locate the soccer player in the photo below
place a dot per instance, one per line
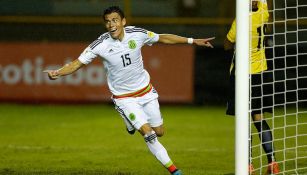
(259, 17)
(134, 96)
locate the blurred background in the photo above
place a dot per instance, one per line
(40, 34)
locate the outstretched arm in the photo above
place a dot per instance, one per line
(65, 70)
(175, 39)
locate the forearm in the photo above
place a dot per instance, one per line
(69, 68)
(228, 45)
(175, 39)
(228, 49)
(172, 39)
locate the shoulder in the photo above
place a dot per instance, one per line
(233, 25)
(133, 29)
(102, 38)
(263, 5)
(262, 15)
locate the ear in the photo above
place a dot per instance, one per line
(124, 21)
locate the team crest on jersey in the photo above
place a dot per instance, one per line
(132, 44)
(132, 116)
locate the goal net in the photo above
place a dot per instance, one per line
(285, 91)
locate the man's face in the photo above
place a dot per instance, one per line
(115, 25)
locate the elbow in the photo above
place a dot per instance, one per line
(228, 45)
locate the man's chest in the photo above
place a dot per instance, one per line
(122, 53)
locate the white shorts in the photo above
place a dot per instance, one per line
(137, 111)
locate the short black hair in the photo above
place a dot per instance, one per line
(113, 9)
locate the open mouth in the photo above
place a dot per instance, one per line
(113, 30)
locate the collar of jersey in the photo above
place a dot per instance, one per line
(124, 38)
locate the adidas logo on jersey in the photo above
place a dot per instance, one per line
(111, 50)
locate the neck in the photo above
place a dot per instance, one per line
(121, 36)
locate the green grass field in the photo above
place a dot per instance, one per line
(91, 139)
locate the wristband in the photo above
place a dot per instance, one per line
(190, 40)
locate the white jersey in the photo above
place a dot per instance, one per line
(122, 59)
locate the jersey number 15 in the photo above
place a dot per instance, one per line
(126, 60)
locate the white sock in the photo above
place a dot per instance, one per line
(156, 148)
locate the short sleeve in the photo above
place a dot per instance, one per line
(87, 56)
(231, 36)
(151, 38)
(263, 5)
